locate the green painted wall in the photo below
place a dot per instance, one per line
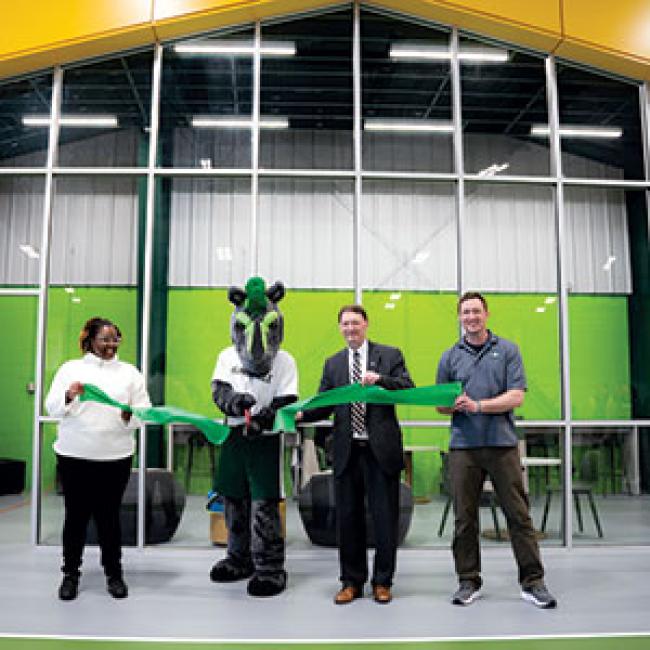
(600, 358)
(18, 327)
(66, 314)
(421, 324)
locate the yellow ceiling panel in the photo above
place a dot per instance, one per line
(534, 24)
(621, 27)
(174, 18)
(37, 25)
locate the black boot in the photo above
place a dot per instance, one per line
(267, 585)
(69, 587)
(228, 571)
(116, 587)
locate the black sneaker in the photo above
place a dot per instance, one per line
(69, 587)
(116, 587)
(539, 595)
(466, 593)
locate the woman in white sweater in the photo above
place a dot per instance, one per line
(94, 449)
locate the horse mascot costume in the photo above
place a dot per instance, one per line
(252, 379)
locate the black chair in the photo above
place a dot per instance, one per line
(195, 441)
(583, 485)
(488, 499)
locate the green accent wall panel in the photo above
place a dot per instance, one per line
(18, 327)
(600, 358)
(198, 328)
(516, 317)
(67, 313)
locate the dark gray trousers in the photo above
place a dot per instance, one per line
(467, 471)
(255, 534)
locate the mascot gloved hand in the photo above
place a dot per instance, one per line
(252, 379)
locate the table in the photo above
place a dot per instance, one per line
(538, 461)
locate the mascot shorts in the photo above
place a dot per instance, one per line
(250, 466)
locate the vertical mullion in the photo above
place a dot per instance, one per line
(255, 148)
(358, 193)
(147, 277)
(459, 163)
(44, 281)
(562, 278)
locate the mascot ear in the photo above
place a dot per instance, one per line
(276, 292)
(236, 296)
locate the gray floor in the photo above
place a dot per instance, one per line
(600, 590)
(625, 521)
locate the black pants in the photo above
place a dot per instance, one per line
(468, 469)
(363, 477)
(93, 488)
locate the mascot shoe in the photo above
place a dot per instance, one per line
(270, 585)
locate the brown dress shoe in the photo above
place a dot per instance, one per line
(347, 595)
(381, 594)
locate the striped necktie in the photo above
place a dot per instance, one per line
(357, 409)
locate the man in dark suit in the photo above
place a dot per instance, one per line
(367, 457)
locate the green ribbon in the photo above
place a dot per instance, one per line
(437, 395)
(216, 433)
(285, 418)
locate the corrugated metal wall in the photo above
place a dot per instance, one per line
(306, 225)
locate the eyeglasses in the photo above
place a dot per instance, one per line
(108, 339)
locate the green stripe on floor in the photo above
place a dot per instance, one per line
(569, 643)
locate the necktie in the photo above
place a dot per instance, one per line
(357, 409)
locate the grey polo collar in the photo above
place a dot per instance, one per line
(492, 340)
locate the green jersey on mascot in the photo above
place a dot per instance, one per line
(252, 379)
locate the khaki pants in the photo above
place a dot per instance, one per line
(467, 471)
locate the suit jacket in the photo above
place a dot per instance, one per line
(384, 434)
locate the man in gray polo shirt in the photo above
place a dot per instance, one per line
(484, 443)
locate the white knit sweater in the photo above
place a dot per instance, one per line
(88, 429)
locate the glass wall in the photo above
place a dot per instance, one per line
(406, 96)
(93, 272)
(503, 99)
(105, 108)
(383, 170)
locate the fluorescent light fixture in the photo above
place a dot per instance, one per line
(30, 251)
(578, 131)
(234, 47)
(493, 169)
(431, 52)
(99, 121)
(607, 266)
(87, 121)
(540, 310)
(395, 296)
(550, 300)
(239, 122)
(407, 126)
(422, 256)
(482, 54)
(389, 305)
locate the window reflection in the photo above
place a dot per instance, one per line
(105, 110)
(22, 145)
(600, 127)
(406, 96)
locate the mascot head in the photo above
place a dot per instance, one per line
(256, 326)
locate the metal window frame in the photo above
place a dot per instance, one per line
(458, 176)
